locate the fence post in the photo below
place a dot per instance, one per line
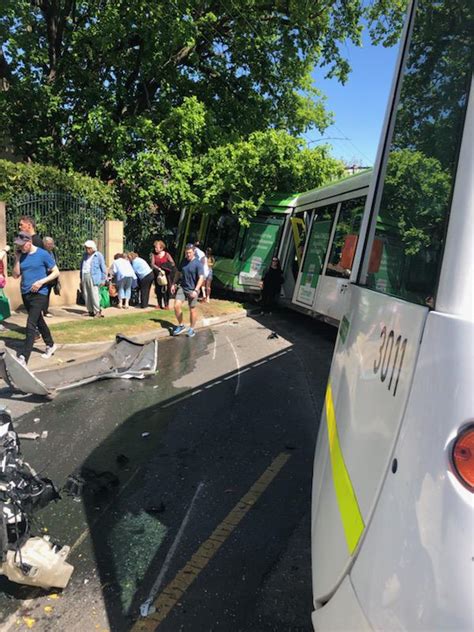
(3, 224)
(113, 239)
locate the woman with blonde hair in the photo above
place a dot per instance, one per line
(163, 267)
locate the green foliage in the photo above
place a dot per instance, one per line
(79, 79)
(18, 179)
(415, 199)
(241, 175)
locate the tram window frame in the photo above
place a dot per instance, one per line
(419, 139)
(216, 241)
(348, 205)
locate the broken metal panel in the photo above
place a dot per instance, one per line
(124, 359)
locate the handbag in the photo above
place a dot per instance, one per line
(80, 297)
(5, 311)
(161, 278)
(104, 297)
(57, 288)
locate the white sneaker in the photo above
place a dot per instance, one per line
(2, 327)
(49, 352)
(21, 360)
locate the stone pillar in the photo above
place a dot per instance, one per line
(113, 239)
(3, 224)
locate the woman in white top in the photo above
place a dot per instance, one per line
(124, 276)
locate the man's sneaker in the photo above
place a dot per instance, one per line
(179, 330)
(190, 333)
(21, 360)
(49, 352)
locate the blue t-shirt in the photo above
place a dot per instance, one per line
(190, 273)
(34, 267)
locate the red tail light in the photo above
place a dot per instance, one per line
(463, 457)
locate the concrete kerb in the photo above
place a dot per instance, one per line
(161, 333)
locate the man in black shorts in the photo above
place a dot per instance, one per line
(187, 283)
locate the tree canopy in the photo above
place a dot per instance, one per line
(93, 85)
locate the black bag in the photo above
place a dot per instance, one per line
(80, 298)
(57, 288)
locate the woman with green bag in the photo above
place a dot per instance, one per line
(4, 302)
(93, 276)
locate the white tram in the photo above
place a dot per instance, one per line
(392, 507)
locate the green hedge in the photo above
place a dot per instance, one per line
(19, 178)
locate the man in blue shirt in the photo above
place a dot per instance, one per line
(190, 278)
(37, 268)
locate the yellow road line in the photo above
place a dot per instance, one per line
(351, 516)
(174, 591)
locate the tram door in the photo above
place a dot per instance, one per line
(314, 256)
(331, 296)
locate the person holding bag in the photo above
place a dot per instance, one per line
(93, 275)
(163, 267)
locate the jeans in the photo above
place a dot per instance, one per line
(125, 288)
(91, 294)
(35, 305)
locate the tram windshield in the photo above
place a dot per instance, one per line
(415, 202)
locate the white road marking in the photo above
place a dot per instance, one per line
(144, 608)
(237, 386)
(214, 350)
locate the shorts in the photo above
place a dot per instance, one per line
(182, 295)
(209, 276)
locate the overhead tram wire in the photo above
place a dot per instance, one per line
(347, 139)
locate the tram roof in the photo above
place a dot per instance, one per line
(281, 201)
(344, 185)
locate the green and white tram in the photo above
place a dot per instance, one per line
(242, 253)
(392, 506)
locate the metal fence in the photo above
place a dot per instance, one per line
(68, 219)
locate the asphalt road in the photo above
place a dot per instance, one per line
(205, 510)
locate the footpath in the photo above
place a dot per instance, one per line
(95, 335)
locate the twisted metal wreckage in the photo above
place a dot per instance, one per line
(24, 557)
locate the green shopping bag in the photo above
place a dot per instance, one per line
(104, 297)
(4, 306)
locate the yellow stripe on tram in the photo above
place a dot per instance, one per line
(352, 520)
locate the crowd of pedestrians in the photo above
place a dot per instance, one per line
(129, 277)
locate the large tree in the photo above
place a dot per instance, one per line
(79, 79)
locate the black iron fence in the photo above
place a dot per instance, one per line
(68, 219)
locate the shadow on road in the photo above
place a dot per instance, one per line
(159, 440)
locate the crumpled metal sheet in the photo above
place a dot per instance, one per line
(125, 359)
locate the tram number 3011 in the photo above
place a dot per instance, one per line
(390, 359)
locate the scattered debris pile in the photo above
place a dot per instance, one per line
(25, 558)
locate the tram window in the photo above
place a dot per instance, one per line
(317, 244)
(415, 201)
(222, 235)
(345, 238)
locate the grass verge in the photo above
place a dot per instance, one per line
(129, 323)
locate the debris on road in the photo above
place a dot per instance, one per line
(124, 359)
(273, 335)
(26, 558)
